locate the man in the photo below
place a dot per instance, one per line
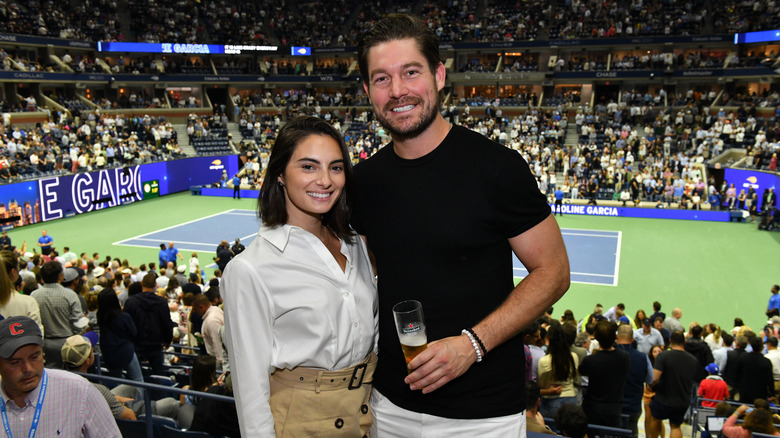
(773, 354)
(700, 350)
(5, 242)
(213, 320)
(640, 372)
(224, 255)
(78, 356)
(73, 279)
(755, 374)
(173, 253)
(674, 374)
(181, 277)
(720, 355)
(45, 242)
(558, 201)
(162, 256)
(61, 312)
(672, 323)
(236, 187)
(71, 406)
(615, 312)
(658, 324)
(151, 315)
(773, 309)
(403, 75)
(729, 372)
(607, 370)
(657, 312)
(531, 336)
(647, 337)
(237, 247)
(535, 421)
(69, 256)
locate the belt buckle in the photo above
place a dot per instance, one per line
(351, 385)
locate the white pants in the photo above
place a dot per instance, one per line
(393, 421)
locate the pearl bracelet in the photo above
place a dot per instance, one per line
(473, 343)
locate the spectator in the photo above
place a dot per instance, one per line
(606, 370)
(700, 350)
(534, 418)
(757, 421)
(150, 312)
(117, 332)
(756, 380)
(74, 407)
(557, 372)
(730, 374)
(61, 312)
(213, 321)
(674, 375)
(572, 422)
(646, 337)
(640, 373)
(713, 387)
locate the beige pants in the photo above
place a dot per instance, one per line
(307, 402)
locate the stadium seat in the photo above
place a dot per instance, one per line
(131, 428)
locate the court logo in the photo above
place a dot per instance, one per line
(751, 181)
(216, 165)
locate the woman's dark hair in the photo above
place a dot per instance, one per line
(568, 315)
(605, 334)
(563, 366)
(204, 373)
(108, 308)
(271, 203)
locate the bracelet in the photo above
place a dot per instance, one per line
(479, 341)
(473, 343)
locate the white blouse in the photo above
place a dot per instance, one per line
(287, 303)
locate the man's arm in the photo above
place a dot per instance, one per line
(542, 252)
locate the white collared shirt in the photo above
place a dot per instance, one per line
(287, 303)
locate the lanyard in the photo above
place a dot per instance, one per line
(36, 416)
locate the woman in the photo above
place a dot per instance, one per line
(638, 318)
(194, 264)
(757, 421)
(713, 338)
(202, 377)
(117, 331)
(649, 393)
(11, 302)
(300, 301)
(557, 372)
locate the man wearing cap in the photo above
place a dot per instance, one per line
(61, 312)
(713, 387)
(181, 277)
(646, 337)
(73, 279)
(77, 355)
(151, 315)
(51, 401)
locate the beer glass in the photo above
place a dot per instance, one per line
(410, 325)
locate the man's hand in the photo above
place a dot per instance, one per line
(443, 360)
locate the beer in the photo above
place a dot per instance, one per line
(412, 345)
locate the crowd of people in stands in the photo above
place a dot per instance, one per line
(617, 364)
(89, 141)
(321, 24)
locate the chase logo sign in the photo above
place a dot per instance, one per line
(216, 165)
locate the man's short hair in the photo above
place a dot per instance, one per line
(656, 306)
(677, 338)
(530, 329)
(757, 344)
(212, 294)
(394, 27)
(50, 272)
(582, 339)
(532, 394)
(605, 334)
(571, 420)
(696, 331)
(149, 281)
(626, 331)
(621, 306)
(742, 341)
(772, 342)
(658, 318)
(727, 339)
(200, 300)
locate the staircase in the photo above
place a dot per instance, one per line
(184, 141)
(572, 138)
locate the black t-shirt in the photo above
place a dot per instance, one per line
(606, 371)
(438, 226)
(678, 370)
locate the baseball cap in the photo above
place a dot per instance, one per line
(646, 321)
(181, 269)
(70, 274)
(712, 368)
(76, 350)
(16, 332)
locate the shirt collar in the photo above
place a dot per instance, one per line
(277, 236)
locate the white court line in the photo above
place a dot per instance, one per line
(589, 235)
(121, 242)
(617, 258)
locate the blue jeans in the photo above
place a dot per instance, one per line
(550, 405)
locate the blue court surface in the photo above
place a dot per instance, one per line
(594, 255)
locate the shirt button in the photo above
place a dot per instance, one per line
(346, 294)
(355, 324)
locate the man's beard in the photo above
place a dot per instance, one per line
(425, 119)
